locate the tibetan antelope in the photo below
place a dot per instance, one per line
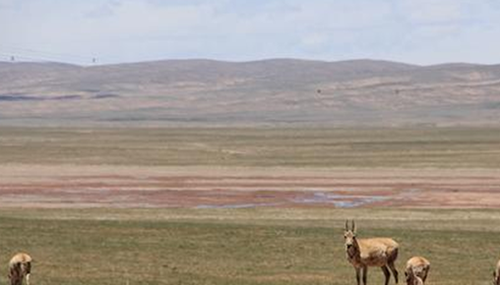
(416, 270)
(364, 253)
(19, 268)
(496, 274)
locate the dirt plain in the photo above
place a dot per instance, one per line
(232, 187)
(249, 167)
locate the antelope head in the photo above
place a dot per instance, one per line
(350, 238)
(412, 278)
(496, 278)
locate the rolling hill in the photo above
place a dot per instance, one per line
(267, 92)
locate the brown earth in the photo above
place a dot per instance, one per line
(197, 187)
(258, 93)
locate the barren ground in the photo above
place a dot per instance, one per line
(224, 187)
(250, 167)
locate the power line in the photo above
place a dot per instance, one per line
(46, 56)
(21, 57)
(46, 53)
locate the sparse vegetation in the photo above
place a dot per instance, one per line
(245, 246)
(290, 147)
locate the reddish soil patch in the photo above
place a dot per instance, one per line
(240, 188)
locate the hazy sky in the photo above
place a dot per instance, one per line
(413, 31)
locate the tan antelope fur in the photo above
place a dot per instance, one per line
(20, 268)
(496, 274)
(370, 252)
(412, 278)
(416, 270)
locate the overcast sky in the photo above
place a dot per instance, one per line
(412, 31)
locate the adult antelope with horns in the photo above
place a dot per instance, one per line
(370, 252)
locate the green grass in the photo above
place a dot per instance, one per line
(290, 147)
(247, 246)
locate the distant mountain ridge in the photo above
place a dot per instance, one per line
(265, 92)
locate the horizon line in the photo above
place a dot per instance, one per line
(96, 64)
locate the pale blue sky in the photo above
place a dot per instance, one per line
(412, 31)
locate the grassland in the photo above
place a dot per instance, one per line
(245, 246)
(262, 147)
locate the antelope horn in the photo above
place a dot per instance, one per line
(346, 225)
(353, 226)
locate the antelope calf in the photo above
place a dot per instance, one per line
(416, 270)
(371, 252)
(496, 274)
(19, 268)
